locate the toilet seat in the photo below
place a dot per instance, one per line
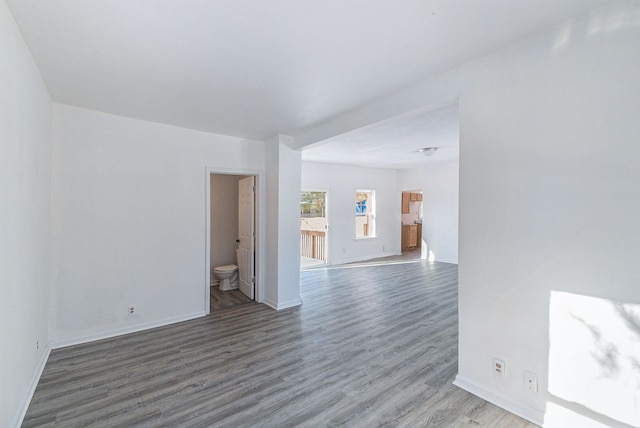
(228, 277)
(225, 268)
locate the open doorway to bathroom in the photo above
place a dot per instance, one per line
(232, 240)
(314, 228)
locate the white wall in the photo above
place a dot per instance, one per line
(283, 223)
(224, 219)
(548, 218)
(341, 183)
(25, 201)
(439, 185)
(549, 221)
(129, 220)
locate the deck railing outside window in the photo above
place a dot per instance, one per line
(313, 244)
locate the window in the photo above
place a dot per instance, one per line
(365, 214)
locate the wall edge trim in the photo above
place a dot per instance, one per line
(525, 411)
(289, 304)
(127, 330)
(450, 261)
(21, 412)
(270, 303)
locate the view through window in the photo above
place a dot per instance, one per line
(365, 214)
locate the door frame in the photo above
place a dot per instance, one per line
(260, 230)
(246, 242)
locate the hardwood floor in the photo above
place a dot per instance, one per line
(226, 299)
(372, 345)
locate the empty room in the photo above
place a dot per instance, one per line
(471, 260)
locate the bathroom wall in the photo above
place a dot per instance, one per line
(224, 219)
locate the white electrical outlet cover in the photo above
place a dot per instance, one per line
(531, 381)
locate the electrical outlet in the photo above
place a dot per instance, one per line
(531, 381)
(383, 248)
(131, 310)
(498, 367)
(37, 345)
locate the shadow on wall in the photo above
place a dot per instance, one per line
(594, 361)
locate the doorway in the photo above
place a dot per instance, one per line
(232, 239)
(314, 228)
(411, 227)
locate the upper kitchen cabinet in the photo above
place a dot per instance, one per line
(405, 203)
(407, 198)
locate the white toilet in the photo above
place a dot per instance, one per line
(228, 276)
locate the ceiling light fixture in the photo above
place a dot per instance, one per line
(428, 151)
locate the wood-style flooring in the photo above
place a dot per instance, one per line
(226, 299)
(372, 345)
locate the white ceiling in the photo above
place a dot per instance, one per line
(394, 143)
(255, 68)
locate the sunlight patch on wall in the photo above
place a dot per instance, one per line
(594, 356)
(598, 23)
(561, 417)
(563, 37)
(614, 20)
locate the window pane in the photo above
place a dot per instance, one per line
(365, 214)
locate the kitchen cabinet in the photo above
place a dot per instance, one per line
(413, 236)
(409, 236)
(407, 198)
(405, 203)
(415, 197)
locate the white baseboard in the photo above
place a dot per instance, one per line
(283, 305)
(364, 258)
(289, 304)
(453, 262)
(33, 383)
(525, 411)
(120, 331)
(270, 303)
